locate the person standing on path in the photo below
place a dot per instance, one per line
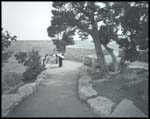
(61, 57)
(61, 48)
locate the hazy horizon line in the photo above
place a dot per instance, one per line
(34, 40)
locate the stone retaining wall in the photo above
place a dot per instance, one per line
(78, 54)
(10, 101)
(100, 105)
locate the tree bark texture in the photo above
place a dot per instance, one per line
(114, 59)
(99, 52)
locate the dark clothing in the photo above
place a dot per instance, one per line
(60, 62)
(122, 61)
(56, 59)
(61, 48)
(61, 57)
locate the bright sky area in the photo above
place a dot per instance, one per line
(27, 20)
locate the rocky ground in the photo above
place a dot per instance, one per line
(121, 95)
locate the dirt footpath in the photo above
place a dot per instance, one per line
(57, 96)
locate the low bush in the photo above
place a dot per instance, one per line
(6, 42)
(32, 61)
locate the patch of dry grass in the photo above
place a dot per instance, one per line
(10, 80)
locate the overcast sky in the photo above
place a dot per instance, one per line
(27, 20)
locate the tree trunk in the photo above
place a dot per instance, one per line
(114, 59)
(99, 52)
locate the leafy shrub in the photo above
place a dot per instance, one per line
(6, 42)
(32, 61)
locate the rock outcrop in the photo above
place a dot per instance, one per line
(85, 89)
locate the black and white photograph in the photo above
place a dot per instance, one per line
(75, 59)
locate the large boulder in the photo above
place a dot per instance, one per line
(84, 80)
(9, 102)
(126, 108)
(101, 105)
(87, 92)
(85, 89)
(27, 90)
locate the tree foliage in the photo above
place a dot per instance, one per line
(6, 42)
(67, 37)
(134, 23)
(85, 17)
(106, 34)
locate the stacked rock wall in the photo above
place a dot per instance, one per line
(78, 54)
